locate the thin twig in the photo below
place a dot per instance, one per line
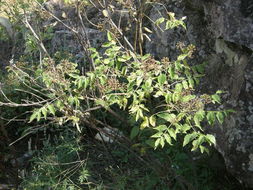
(36, 36)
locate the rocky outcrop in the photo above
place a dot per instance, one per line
(222, 33)
(231, 70)
(231, 20)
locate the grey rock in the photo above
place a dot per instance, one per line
(228, 21)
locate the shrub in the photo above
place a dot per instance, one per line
(158, 94)
(155, 100)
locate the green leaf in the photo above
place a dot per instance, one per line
(147, 30)
(171, 71)
(86, 82)
(220, 117)
(107, 61)
(105, 13)
(38, 115)
(172, 133)
(176, 97)
(211, 139)
(71, 100)
(161, 128)
(152, 120)
(109, 36)
(189, 138)
(160, 21)
(203, 149)
(78, 127)
(139, 114)
(79, 84)
(157, 135)
(191, 82)
(121, 59)
(134, 132)
(226, 112)
(219, 92)
(33, 116)
(178, 66)
(162, 143)
(44, 112)
(210, 117)
(139, 80)
(180, 116)
(201, 139)
(59, 104)
(216, 98)
(168, 98)
(198, 117)
(168, 139)
(178, 87)
(157, 143)
(196, 121)
(124, 70)
(145, 123)
(195, 145)
(158, 94)
(167, 116)
(200, 68)
(51, 109)
(102, 103)
(93, 50)
(148, 83)
(188, 98)
(106, 45)
(161, 79)
(185, 84)
(145, 57)
(185, 128)
(182, 57)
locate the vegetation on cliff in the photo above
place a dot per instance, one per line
(147, 108)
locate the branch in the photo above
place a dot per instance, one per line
(36, 36)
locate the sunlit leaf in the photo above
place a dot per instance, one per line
(51, 109)
(167, 116)
(211, 138)
(161, 79)
(157, 135)
(161, 128)
(188, 138)
(178, 87)
(172, 133)
(210, 117)
(109, 36)
(160, 20)
(157, 143)
(105, 13)
(145, 123)
(216, 98)
(162, 143)
(168, 139)
(152, 120)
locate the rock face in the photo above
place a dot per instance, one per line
(231, 20)
(222, 32)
